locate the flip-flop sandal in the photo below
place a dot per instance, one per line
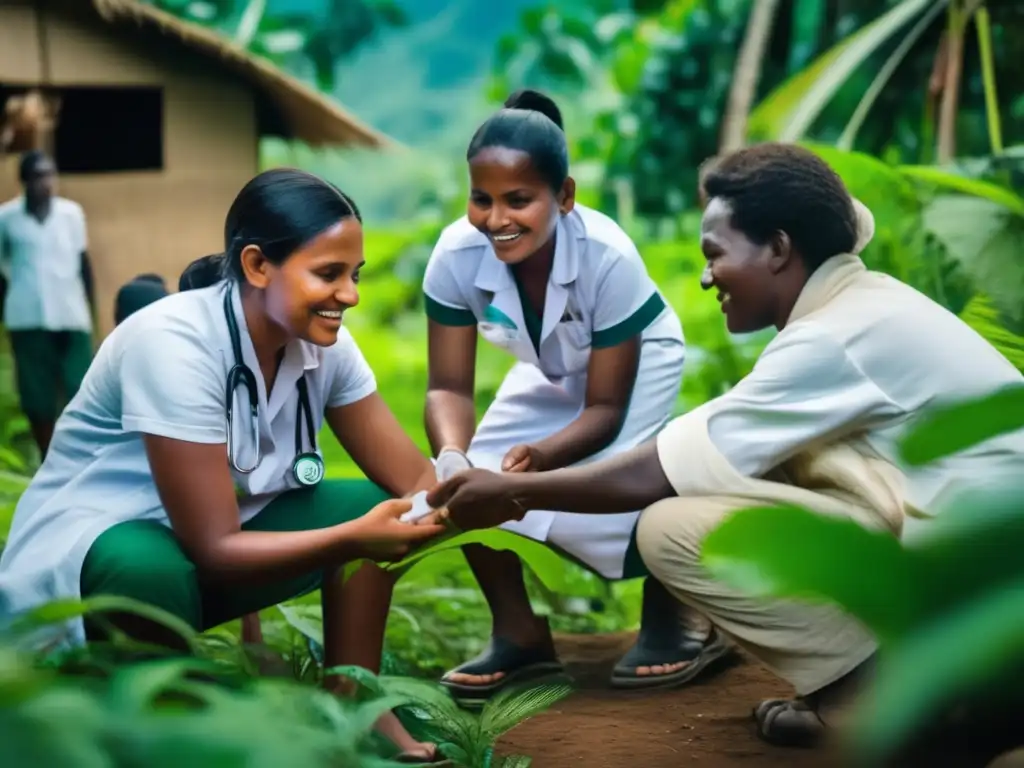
(697, 655)
(410, 758)
(789, 723)
(500, 655)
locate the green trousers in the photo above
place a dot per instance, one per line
(142, 559)
(49, 364)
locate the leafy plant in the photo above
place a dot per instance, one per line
(945, 607)
(789, 111)
(94, 707)
(466, 738)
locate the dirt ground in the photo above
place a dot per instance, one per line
(706, 724)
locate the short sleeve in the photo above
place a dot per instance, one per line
(352, 378)
(83, 231)
(444, 300)
(172, 385)
(627, 301)
(804, 389)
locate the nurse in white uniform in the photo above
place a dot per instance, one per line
(599, 365)
(185, 473)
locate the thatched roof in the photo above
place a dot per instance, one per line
(307, 115)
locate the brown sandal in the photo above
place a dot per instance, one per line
(789, 723)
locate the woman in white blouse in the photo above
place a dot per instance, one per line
(186, 473)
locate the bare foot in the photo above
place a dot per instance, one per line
(391, 728)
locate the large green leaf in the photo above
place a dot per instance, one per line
(885, 73)
(987, 239)
(969, 647)
(968, 549)
(60, 611)
(789, 111)
(955, 182)
(790, 552)
(546, 564)
(954, 428)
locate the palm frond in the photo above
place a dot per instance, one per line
(982, 315)
(514, 705)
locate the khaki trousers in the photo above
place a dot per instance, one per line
(807, 645)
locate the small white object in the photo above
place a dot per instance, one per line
(420, 509)
(450, 462)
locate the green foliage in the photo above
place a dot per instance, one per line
(99, 707)
(952, 429)
(984, 318)
(678, 104)
(946, 607)
(791, 109)
(468, 739)
(301, 40)
(750, 552)
(951, 236)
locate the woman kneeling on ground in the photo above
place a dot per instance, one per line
(162, 487)
(817, 423)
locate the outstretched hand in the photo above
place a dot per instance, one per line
(380, 534)
(477, 498)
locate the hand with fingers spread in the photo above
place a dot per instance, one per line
(380, 535)
(523, 458)
(477, 498)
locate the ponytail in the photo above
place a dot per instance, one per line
(204, 272)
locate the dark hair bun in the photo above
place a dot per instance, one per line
(203, 272)
(535, 101)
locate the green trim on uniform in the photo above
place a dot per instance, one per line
(635, 324)
(142, 559)
(534, 322)
(49, 364)
(445, 315)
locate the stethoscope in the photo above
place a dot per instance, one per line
(307, 467)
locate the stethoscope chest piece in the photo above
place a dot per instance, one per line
(308, 466)
(308, 469)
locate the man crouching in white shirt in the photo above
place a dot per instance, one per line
(816, 423)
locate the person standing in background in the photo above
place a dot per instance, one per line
(50, 302)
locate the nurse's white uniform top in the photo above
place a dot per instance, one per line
(598, 295)
(162, 372)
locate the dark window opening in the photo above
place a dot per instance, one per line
(106, 129)
(110, 129)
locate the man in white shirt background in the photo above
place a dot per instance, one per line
(49, 301)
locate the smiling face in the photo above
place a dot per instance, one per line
(745, 274)
(308, 293)
(513, 205)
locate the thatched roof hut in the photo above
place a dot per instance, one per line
(158, 123)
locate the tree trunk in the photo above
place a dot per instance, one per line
(747, 75)
(945, 149)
